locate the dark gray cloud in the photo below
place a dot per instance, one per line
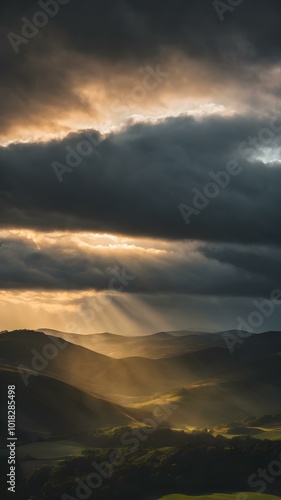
(141, 176)
(256, 262)
(134, 29)
(67, 266)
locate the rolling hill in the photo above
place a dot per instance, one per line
(48, 406)
(222, 496)
(156, 346)
(211, 386)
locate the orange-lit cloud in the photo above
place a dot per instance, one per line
(106, 97)
(86, 282)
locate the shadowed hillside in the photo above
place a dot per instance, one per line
(50, 407)
(211, 386)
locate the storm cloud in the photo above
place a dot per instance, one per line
(92, 54)
(57, 262)
(140, 177)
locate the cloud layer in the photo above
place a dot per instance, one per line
(181, 187)
(75, 262)
(141, 175)
(87, 62)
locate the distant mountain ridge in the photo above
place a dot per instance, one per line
(210, 385)
(154, 346)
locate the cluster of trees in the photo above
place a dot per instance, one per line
(168, 462)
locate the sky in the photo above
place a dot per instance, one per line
(140, 167)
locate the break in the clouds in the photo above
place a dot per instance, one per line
(179, 104)
(91, 64)
(83, 283)
(73, 262)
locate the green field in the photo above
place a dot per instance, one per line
(271, 433)
(222, 496)
(34, 455)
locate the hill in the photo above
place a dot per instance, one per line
(48, 406)
(222, 496)
(211, 386)
(155, 346)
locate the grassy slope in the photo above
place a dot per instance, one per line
(272, 435)
(200, 405)
(222, 496)
(47, 405)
